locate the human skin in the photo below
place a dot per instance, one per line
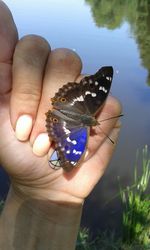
(43, 207)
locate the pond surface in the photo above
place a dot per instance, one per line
(104, 32)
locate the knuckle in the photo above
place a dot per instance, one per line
(67, 58)
(32, 51)
(34, 41)
(27, 95)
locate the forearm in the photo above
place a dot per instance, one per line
(41, 225)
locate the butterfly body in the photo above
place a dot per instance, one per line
(74, 108)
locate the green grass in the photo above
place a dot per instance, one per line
(135, 218)
(136, 203)
(105, 242)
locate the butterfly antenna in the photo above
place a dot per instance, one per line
(106, 135)
(113, 117)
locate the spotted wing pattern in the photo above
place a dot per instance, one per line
(70, 140)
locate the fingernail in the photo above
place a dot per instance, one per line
(23, 127)
(41, 144)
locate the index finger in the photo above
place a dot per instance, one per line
(29, 61)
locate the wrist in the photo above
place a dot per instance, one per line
(53, 210)
(24, 192)
(28, 221)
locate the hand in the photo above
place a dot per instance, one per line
(37, 73)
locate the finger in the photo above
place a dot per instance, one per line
(102, 149)
(112, 108)
(29, 61)
(103, 155)
(63, 66)
(8, 39)
(92, 170)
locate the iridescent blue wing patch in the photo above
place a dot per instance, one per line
(70, 141)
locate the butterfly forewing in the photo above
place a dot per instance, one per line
(96, 89)
(70, 98)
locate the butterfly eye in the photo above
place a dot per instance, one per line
(63, 99)
(55, 120)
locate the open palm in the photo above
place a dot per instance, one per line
(37, 73)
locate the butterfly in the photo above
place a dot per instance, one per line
(75, 106)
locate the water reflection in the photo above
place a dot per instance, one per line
(131, 85)
(112, 13)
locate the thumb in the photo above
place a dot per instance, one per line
(8, 40)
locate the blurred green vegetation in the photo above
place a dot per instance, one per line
(135, 218)
(136, 205)
(112, 13)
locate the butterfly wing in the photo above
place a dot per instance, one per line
(69, 98)
(86, 97)
(64, 123)
(96, 89)
(70, 140)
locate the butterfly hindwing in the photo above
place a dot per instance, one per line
(70, 141)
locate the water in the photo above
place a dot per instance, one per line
(102, 32)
